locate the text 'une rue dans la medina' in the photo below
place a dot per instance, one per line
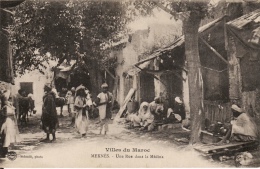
(110, 153)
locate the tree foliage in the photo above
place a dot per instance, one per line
(69, 29)
(41, 27)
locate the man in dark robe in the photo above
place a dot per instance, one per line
(49, 114)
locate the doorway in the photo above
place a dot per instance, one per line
(27, 87)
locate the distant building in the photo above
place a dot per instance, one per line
(33, 82)
(139, 45)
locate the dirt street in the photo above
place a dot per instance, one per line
(120, 148)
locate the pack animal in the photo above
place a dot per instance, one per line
(60, 102)
(24, 107)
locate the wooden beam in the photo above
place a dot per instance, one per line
(106, 69)
(152, 56)
(214, 50)
(176, 15)
(225, 33)
(150, 74)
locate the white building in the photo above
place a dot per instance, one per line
(33, 82)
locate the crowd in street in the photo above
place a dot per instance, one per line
(147, 116)
(15, 110)
(79, 103)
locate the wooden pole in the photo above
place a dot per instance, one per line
(109, 73)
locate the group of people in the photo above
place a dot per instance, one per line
(241, 128)
(151, 114)
(79, 104)
(14, 109)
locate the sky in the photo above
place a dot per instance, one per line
(159, 17)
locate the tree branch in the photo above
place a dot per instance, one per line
(165, 8)
(176, 15)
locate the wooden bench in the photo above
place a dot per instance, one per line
(226, 149)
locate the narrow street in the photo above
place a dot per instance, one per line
(180, 78)
(70, 150)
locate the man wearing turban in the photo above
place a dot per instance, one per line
(243, 127)
(104, 103)
(49, 114)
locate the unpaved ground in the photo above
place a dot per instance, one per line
(70, 150)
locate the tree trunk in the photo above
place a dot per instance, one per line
(95, 79)
(190, 27)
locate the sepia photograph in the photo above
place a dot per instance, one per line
(129, 83)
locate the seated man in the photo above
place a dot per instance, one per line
(179, 108)
(243, 127)
(148, 120)
(177, 113)
(137, 117)
(172, 117)
(143, 118)
(156, 109)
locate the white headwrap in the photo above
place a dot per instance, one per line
(104, 85)
(236, 108)
(178, 100)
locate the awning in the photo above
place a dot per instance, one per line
(246, 29)
(138, 68)
(142, 64)
(179, 42)
(242, 21)
(63, 71)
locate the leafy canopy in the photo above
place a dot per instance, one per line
(69, 29)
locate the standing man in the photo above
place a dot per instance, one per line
(71, 96)
(49, 114)
(16, 99)
(104, 103)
